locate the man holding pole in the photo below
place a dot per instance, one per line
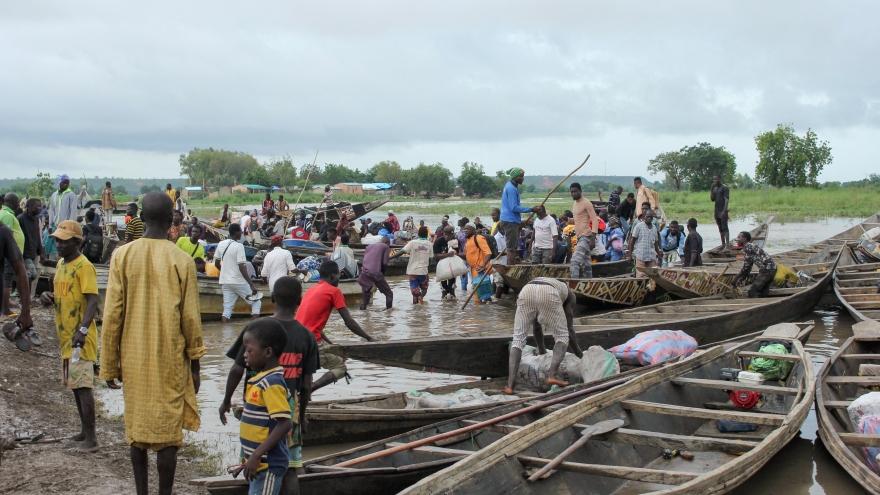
(511, 209)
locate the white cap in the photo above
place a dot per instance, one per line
(391, 212)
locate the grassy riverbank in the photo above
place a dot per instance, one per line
(786, 204)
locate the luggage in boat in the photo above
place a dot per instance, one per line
(460, 398)
(348, 267)
(870, 425)
(312, 264)
(785, 277)
(534, 368)
(772, 369)
(598, 363)
(866, 405)
(655, 346)
(449, 268)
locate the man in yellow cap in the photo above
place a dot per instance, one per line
(75, 298)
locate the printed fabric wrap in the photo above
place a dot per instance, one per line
(870, 425)
(655, 346)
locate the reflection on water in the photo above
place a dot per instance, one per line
(804, 466)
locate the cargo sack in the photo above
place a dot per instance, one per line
(866, 405)
(598, 363)
(534, 369)
(348, 267)
(785, 277)
(460, 398)
(772, 369)
(449, 268)
(870, 425)
(655, 346)
(312, 264)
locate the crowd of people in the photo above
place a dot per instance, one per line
(277, 356)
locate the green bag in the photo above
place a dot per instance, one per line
(772, 369)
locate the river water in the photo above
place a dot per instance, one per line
(804, 466)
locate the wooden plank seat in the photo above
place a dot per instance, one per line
(863, 381)
(680, 442)
(726, 385)
(622, 472)
(780, 357)
(860, 439)
(694, 412)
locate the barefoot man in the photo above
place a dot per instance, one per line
(543, 302)
(152, 341)
(76, 303)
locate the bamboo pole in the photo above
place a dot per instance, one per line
(308, 174)
(481, 425)
(557, 185)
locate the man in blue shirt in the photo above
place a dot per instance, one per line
(510, 212)
(672, 243)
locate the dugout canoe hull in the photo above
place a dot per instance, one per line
(675, 407)
(720, 254)
(615, 292)
(835, 428)
(855, 286)
(517, 276)
(352, 211)
(710, 319)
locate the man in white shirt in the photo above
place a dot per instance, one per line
(234, 277)
(420, 252)
(546, 235)
(277, 263)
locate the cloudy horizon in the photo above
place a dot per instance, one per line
(116, 89)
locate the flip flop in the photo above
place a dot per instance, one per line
(554, 381)
(14, 334)
(31, 335)
(508, 390)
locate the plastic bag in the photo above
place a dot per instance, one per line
(772, 369)
(460, 398)
(866, 405)
(449, 268)
(598, 363)
(870, 425)
(655, 346)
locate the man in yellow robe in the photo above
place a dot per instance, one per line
(152, 341)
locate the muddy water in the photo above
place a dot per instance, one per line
(804, 466)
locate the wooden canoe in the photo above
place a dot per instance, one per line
(839, 384)
(614, 292)
(709, 319)
(720, 253)
(676, 407)
(856, 286)
(517, 276)
(211, 295)
(352, 211)
(379, 416)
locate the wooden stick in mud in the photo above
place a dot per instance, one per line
(485, 271)
(483, 424)
(557, 186)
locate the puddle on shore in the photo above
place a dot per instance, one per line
(804, 466)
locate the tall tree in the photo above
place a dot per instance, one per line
(336, 173)
(788, 160)
(282, 171)
(474, 180)
(672, 164)
(430, 179)
(216, 167)
(703, 161)
(258, 176)
(388, 171)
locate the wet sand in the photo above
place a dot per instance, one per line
(804, 466)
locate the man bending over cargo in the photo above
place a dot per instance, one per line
(318, 302)
(543, 302)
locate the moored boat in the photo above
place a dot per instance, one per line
(611, 292)
(857, 286)
(840, 384)
(732, 252)
(625, 440)
(708, 319)
(517, 276)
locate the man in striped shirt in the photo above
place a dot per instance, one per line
(134, 230)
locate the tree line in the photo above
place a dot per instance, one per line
(785, 159)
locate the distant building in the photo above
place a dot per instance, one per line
(350, 188)
(383, 188)
(458, 192)
(250, 189)
(190, 192)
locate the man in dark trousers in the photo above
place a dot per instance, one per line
(752, 254)
(720, 195)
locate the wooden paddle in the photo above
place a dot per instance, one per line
(557, 186)
(309, 173)
(599, 428)
(484, 424)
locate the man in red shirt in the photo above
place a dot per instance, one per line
(314, 311)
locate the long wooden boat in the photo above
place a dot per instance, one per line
(614, 292)
(334, 214)
(709, 319)
(856, 286)
(517, 276)
(614, 442)
(732, 251)
(379, 416)
(211, 295)
(840, 384)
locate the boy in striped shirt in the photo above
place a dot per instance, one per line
(266, 419)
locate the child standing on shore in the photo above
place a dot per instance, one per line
(266, 418)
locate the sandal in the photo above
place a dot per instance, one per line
(15, 335)
(31, 335)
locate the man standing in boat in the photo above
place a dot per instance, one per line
(586, 226)
(108, 202)
(644, 243)
(720, 195)
(543, 303)
(511, 209)
(752, 254)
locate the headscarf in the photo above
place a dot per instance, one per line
(63, 178)
(514, 172)
(471, 225)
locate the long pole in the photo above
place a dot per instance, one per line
(308, 174)
(482, 277)
(479, 426)
(557, 185)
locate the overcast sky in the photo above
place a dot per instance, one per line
(108, 88)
